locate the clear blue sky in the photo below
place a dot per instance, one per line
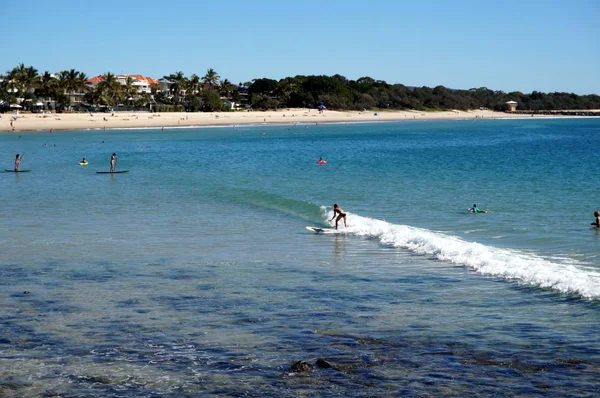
(507, 45)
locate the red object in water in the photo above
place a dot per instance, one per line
(321, 161)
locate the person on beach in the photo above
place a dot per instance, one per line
(337, 210)
(17, 162)
(113, 162)
(597, 222)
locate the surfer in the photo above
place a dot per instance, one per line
(337, 210)
(321, 161)
(476, 209)
(113, 162)
(17, 162)
(597, 222)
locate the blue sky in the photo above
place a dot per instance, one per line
(509, 45)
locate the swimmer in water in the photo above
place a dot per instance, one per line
(597, 222)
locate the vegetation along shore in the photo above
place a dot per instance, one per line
(121, 101)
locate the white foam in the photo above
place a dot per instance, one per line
(565, 275)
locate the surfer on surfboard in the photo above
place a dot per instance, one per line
(337, 210)
(476, 209)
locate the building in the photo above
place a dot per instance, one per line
(142, 84)
(165, 85)
(511, 106)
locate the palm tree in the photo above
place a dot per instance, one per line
(48, 88)
(179, 85)
(98, 96)
(129, 90)
(73, 84)
(23, 79)
(110, 89)
(225, 88)
(211, 78)
(4, 88)
(194, 84)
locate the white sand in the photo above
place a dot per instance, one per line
(82, 121)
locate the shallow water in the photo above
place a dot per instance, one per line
(194, 274)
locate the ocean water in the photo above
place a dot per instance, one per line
(194, 275)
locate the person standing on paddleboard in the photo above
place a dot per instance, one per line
(337, 210)
(17, 162)
(113, 162)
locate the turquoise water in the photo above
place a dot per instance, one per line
(193, 273)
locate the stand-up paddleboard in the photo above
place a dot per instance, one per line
(112, 172)
(16, 171)
(320, 230)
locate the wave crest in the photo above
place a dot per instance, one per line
(565, 276)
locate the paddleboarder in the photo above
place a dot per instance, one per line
(18, 162)
(113, 162)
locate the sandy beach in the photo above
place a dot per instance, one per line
(120, 120)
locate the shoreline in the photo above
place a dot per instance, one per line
(32, 122)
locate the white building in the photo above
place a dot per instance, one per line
(142, 84)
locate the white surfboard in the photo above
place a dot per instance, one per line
(320, 230)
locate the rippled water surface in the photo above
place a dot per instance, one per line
(193, 273)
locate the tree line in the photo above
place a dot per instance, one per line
(209, 93)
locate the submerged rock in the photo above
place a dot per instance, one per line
(301, 366)
(323, 363)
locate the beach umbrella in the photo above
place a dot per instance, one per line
(321, 107)
(15, 106)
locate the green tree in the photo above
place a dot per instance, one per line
(211, 102)
(23, 79)
(211, 78)
(48, 89)
(194, 85)
(109, 90)
(71, 83)
(263, 86)
(226, 88)
(285, 88)
(179, 85)
(130, 92)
